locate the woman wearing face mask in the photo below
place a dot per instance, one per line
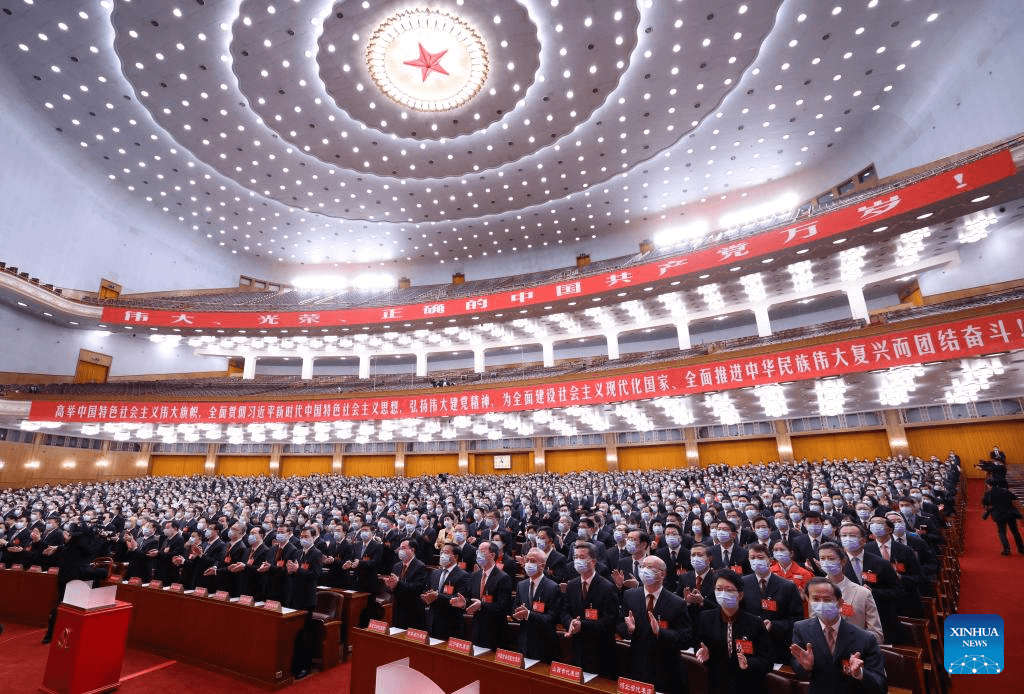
(786, 568)
(859, 606)
(733, 643)
(699, 530)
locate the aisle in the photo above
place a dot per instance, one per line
(991, 584)
(23, 662)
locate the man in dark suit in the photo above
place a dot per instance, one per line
(303, 577)
(838, 657)
(281, 552)
(253, 579)
(590, 612)
(727, 554)
(877, 574)
(805, 545)
(658, 625)
(925, 556)
(365, 561)
(206, 558)
(142, 554)
(998, 502)
(467, 551)
(47, 549)
(775, 600)
(443, 619)
(490, 592)
(675, 555)
(903, 560)
(697, 586)
(173, 546)
(406, 583)
(230, 568)
(537, 607)
(556, 566)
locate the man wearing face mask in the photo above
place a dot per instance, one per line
(837, 656)
(46, 551)
(925, 557)
(734, 645)
(448, 581)
(172, 546)
(774, 600)
(727, 554)
(874, 573)
(229, 569)
(556, 567)
(537, 607)
(142, 554)
(365, 561)
(17, 544)
(303, 575)
(903, 560)
(253, 579)
(627, 574)
(658, 625)
(490, 599)
(675, 554)
(407, 581)
(590, 612)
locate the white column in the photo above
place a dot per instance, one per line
(249, 367)
(764, 323)
(858, 306)
(307, 368)
(683, 331)
(548, 348)
(421, 364)
(478, 359)
(613, 345)
(364, 366)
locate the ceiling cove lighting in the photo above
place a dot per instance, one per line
(975, 376)
(898, 384)
(773, 400)
(910, 245)
(722, 407)
(831, 395)
(975, 227)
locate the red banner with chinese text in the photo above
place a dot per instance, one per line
(955, 340)
(911, 197)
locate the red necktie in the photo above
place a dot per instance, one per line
(650, 603)
(483, 584)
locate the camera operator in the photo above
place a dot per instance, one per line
(83, 543)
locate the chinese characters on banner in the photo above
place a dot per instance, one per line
(842, 220)
(966, 338)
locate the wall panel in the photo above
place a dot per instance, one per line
(416, 465)
(178, 465)
(652, 457)
(576, 459)
(305, 465)
(971, 441)
(738, 452)
(243, 465)
(52, 469)
(848, 444)
(483, 464)
(372, 465)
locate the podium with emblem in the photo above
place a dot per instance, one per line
(87, 649)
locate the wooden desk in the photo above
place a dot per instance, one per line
(27, 596)
(452, 671)
(196, 630)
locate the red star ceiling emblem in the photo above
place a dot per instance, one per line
(428, 62)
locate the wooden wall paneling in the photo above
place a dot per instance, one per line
(574, 459)
(841, 444)
(431, 464)
(652, 457)
(178, 465)
(305, 465)
(483, 464)
(972, 441)
(243, 465)
(372, 465)
(737, 452)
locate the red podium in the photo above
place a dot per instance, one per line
(87, 649)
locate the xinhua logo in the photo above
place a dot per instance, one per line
(973, 644)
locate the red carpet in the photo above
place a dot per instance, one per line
(991, 584)
(23, 662)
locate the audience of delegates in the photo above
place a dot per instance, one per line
(725, 560)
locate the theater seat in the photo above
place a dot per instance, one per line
(905, 669)
(326, 615)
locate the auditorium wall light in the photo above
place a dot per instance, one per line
(831, 394)
(738, 218)
(33, 464)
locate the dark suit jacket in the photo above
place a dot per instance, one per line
(277, 576)
(301, 585)
(724, 673)
(230, 580)
(803, 548)
(444, 620)
(369, 566)
(674, 569)
(408, 610)
(737, 557)
(593, 648)
(557, 567)
(251, 581)
(537, 637)
(784, 597)
(495, 606)
(707, 589)
(166, 571)
(827, 676)
(656, 659)
(904, 562)
(885, 589)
